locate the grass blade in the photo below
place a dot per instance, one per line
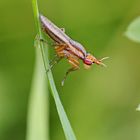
(69, 134)
(38, 114)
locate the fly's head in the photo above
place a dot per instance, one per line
(90, 59)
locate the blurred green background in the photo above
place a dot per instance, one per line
(100, 102)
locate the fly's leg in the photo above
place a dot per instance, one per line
(69, 70)
(60, 50)
(75, 66)
(54, 62)
(60, 54)
(38, 39)
(54, 58)
(54, 44)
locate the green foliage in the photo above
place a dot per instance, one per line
(133, 33)
(133, 30)
(138, 108)
(100, 103)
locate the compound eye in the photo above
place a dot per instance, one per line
(88, 61)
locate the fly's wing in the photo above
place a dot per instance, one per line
(53, 31)
(78, 46)
(60, 37)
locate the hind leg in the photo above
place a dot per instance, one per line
(75, 66)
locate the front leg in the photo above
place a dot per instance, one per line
(53, 62)
(75, 66)
(38, 39)
(59, 48)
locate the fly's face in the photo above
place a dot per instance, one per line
(90, 59)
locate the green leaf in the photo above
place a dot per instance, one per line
(138, 108)
(38, 114)
(133, 30)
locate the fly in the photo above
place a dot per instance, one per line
(67, 48)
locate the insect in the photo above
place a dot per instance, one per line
(67, 48)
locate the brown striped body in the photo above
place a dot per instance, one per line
(68, 48)
(61, 38)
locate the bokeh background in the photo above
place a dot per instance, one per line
(100, 102)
